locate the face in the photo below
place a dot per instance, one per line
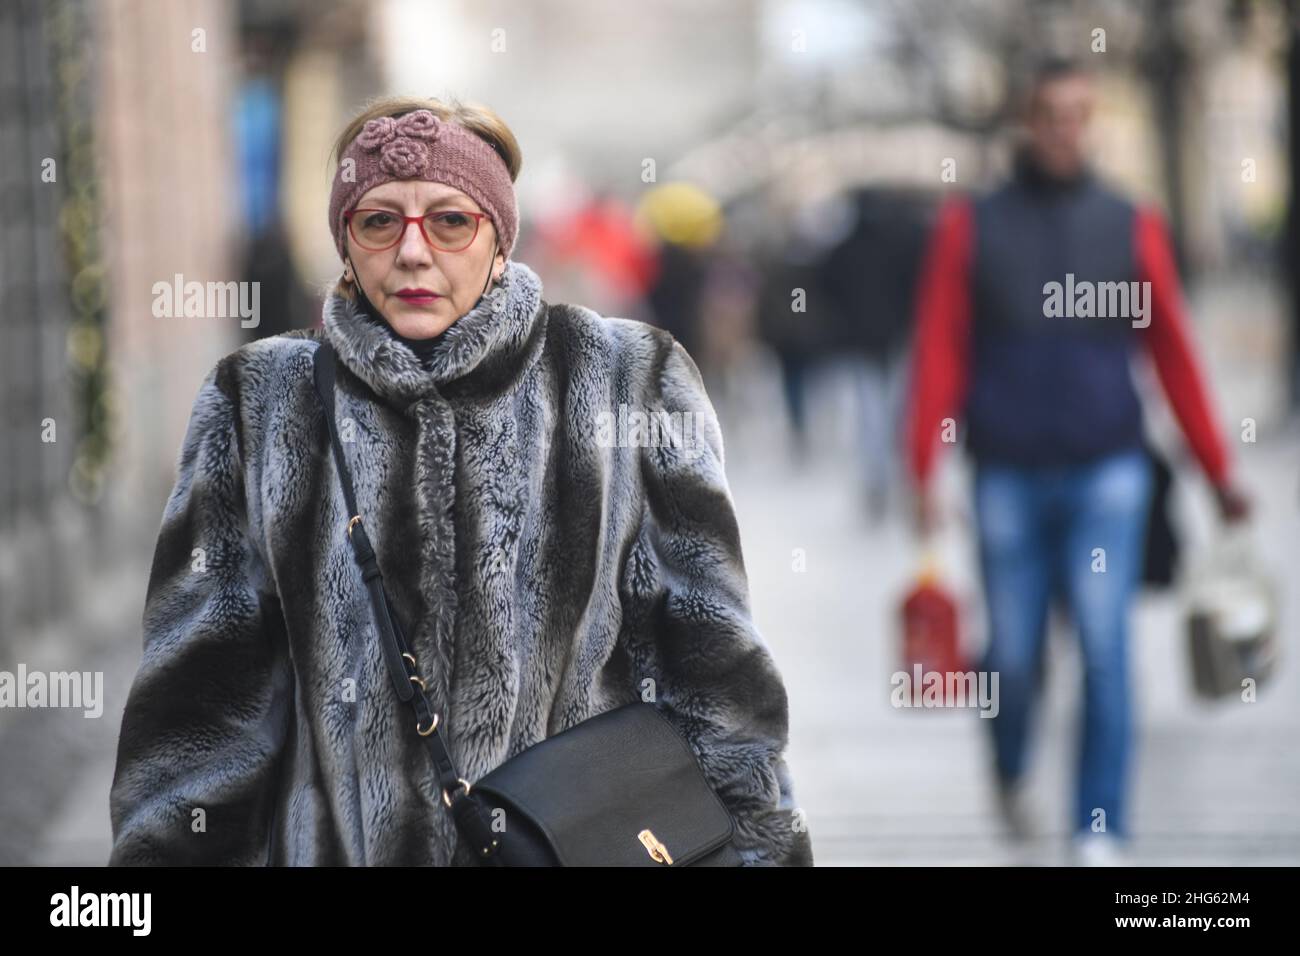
(455, 279)
(1057, 124)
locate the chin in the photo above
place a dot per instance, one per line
(419, 324)
(1066, 167)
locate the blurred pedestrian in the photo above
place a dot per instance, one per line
(796, 316)
(1053, 422)
(871, 282)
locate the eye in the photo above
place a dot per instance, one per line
(376, 219)
(451, 218)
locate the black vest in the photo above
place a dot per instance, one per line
(1050, 390)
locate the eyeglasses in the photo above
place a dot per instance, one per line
(448, 230)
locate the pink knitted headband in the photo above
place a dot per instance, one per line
(421, 146)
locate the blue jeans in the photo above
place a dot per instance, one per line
(1040, 531)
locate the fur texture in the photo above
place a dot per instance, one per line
(542, 575)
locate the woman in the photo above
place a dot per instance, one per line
(545, 567)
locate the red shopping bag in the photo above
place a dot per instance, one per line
(931, 640)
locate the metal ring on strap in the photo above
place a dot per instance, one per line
(356, 519)
(418, 681)
(432, 727)
(446, 799)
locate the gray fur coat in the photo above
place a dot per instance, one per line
(546, 562)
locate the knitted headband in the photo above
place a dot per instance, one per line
(421, 146)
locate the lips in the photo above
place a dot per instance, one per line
(418, 296)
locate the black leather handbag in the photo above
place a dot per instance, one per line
(622, 788)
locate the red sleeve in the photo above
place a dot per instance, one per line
(940, 352)
(1168, 338)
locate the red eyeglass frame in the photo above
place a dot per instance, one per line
(407, 220)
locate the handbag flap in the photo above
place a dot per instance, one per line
(595, 787)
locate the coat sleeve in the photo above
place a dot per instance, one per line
(690, 628)
(207, 713)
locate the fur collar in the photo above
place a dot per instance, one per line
(488, 340)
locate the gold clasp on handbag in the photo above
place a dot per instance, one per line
(658, 852)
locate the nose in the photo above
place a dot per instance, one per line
(413, 251)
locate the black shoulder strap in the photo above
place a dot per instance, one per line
(466, 812)
(394, 645)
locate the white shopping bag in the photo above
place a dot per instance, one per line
(1232, 614)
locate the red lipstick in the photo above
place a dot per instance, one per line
(418, 296)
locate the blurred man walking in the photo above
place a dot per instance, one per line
(1053, 422)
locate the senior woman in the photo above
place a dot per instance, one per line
(543, 574)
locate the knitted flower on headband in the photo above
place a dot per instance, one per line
(401, 142)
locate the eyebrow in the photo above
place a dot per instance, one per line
(436, 204)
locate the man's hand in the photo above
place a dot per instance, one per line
(1234, 506)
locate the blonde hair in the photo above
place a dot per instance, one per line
(478, 119)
